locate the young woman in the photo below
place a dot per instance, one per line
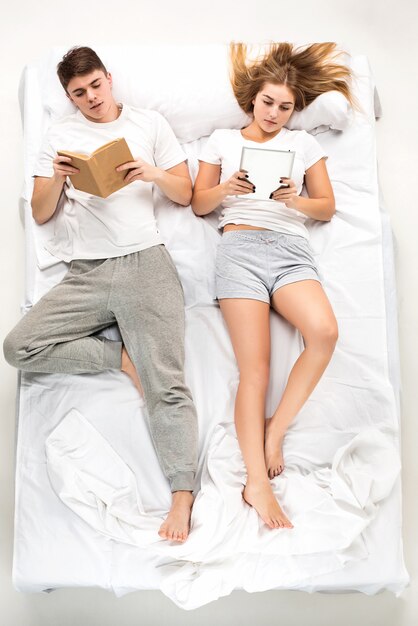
(264, 258)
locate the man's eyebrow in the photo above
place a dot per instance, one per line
(82, 88)
(272, 99)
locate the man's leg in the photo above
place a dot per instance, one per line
(54, 336)
(148, 303)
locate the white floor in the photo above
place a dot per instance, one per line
(386, 32)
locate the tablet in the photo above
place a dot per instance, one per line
(265, 168)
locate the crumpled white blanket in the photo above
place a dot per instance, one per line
(229, 547)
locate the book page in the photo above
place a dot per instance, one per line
(74, 155)
(106, 146)
(265, 168)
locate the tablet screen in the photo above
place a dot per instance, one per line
(265, 168)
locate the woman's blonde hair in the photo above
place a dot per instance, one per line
(306, 71)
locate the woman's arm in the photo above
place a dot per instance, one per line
(209, 193)
(321, 203)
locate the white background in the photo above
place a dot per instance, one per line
(387, 33)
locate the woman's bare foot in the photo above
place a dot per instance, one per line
(260, 495)
(273, 442)
(129, 368)
(177, 524)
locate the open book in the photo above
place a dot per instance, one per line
(265, 168)
(97, 174)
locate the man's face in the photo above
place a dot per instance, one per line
(92, 94)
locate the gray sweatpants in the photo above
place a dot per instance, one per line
(142, 293)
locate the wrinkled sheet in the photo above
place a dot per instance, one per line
(330, 507)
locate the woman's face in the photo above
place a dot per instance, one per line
(273, 105)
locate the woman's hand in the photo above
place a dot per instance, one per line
(287, 195)
(63, 168)
(140, 170)
(238, 184)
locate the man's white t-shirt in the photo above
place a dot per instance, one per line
(89, 227)
(224, 148)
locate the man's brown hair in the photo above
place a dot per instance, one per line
(78, 61)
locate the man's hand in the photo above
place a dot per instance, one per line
(63, 168)
(140, 170)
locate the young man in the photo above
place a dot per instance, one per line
(120, 270)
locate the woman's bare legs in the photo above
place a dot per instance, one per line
(248, 323)
(305, 305)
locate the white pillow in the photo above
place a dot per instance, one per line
(188, 84)
(330, 110)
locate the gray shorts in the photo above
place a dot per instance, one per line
(255, 263)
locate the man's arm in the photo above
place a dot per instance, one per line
(174, 182)
(47, 191)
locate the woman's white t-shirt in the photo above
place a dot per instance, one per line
(224, 148)
(89, 227)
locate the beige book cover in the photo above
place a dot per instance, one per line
(97, 174)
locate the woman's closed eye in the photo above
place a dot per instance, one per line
(282, 107)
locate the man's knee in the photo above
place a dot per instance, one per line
(13, 350)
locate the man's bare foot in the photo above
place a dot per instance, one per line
(177, 524)
(129, 368)
(273, 442)
(260, 495)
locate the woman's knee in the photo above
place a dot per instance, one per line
(323, 335)
(257, 376)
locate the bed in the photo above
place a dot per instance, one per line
(90, 495)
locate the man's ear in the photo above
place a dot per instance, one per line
(110, 79)
(71, 100)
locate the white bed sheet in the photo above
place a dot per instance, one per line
(54, 547)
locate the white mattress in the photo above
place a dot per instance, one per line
(341, 486)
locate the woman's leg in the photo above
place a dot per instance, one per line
(249, 328)
(305, 305)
